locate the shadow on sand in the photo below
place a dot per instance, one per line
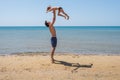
(76, 65)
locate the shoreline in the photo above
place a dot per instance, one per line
(59, 53)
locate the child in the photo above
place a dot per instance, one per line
(60, 10)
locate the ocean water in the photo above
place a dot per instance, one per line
(71, 39)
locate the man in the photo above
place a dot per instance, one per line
(53, 34)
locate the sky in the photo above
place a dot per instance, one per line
(81, 12)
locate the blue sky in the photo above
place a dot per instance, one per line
(81, 12)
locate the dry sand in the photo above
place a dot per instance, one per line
(67, 67)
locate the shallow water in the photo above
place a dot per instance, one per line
(71, 39)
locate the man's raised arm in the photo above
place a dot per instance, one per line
(54, 17)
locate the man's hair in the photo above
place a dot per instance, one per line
(46, 23)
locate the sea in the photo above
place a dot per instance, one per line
(71, 39)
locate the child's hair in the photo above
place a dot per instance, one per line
(48, 8)
(46, 23)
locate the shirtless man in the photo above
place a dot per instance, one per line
(53, 34)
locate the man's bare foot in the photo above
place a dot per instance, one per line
(52, 61)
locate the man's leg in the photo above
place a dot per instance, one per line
(52, 55)
(54, 44)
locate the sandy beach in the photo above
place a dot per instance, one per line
(66, 67)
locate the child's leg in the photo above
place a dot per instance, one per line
(62, 11)
(60, 14)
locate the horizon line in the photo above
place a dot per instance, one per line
(61, 26)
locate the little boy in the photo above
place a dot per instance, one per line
(60, 10)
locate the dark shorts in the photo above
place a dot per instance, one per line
(60, 8)
(53, 42)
